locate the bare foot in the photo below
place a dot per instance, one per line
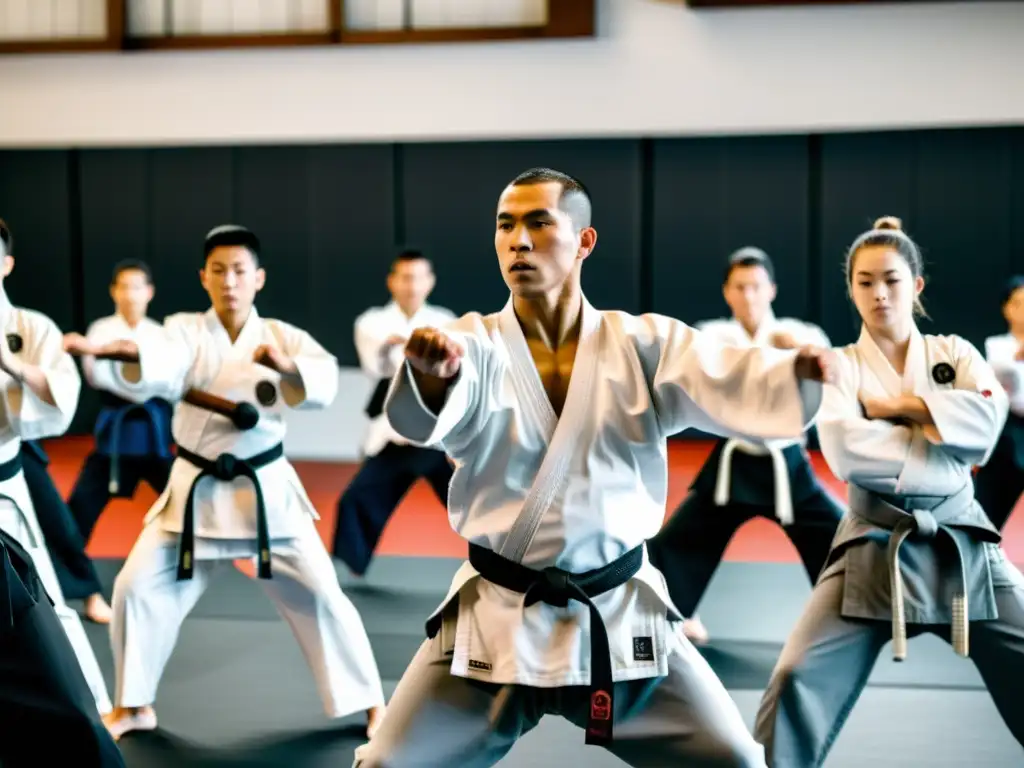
(97, 610)
(374, 717)
(695, 631)
(122, 720)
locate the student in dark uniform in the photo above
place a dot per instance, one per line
(1000, 482)
(64, 540)
(47, 711)
(132, 439)
(742, 480)
(391, 465)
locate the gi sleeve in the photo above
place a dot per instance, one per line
(467, 400)
(970, 415)
(857, 449)
(164, 370)
(370, 337)
(747, 392)
(1001, 354)
(28, 415)
(317, 383)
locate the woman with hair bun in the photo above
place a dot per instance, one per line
(908, 417)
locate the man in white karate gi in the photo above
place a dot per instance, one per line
(390, 465)
(39, 389)
(232, 493)
(556, 415)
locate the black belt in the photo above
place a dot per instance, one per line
(557, 587)
(226, 468)
(375, 405)
(11, 467)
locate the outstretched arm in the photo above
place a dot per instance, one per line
(159, 366)
(438, 395)
(751, 392)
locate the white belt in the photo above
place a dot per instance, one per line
(783, 495)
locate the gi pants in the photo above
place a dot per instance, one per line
(47, 712)
(376, 491)
(438, 720)
(150, 605)
(690, 546)
(64, 540)
(91, 493)
(827, 660)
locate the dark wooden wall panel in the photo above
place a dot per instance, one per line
(964, 227)
(192, 190)
(712, 196)
(37, 202)
(668, 211)
(352, 214)
(114, 209)
(271, 197)
(450, 195)
(863, 177)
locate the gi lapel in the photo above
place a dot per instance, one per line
(917, 370)
(879, 366)
(558, 432)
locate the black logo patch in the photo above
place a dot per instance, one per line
(943, 373)
(483, 666)
(266, 393)
(14, 342)
(643, 649)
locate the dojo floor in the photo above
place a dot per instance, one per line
(238, 693)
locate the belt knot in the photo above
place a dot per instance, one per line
(225, 467)
(925, 524)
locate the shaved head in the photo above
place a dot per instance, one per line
(574, 200)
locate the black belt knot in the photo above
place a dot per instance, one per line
(556, 587)
(226, 468)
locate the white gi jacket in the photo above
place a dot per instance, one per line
(593, 482)
(1001, 352)
(731, 331)
(23, 416)
(114, 328)
(196, 351)
(372, 328)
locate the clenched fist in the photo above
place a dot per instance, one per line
(817, 364)
(434, 353)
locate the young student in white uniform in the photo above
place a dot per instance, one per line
(133, 440)
(998, 485)
(39, 388)
(556, 416)
(908, 418)
(232, 493)
(741, 479)
(390, 464)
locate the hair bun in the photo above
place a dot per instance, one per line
(889, 222)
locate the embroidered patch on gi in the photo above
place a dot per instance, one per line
(14, 342)
(986, 393)
(483, 666)
(266, 393)
(643, 649)
(943, 373)
(601, 706)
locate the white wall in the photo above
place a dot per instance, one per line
(657, 68)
